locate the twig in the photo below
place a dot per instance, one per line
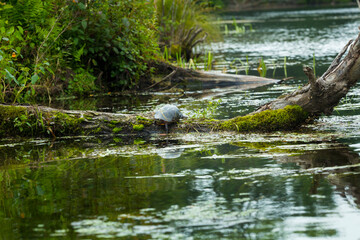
(162, 80)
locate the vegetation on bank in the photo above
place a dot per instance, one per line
(76, 47)
(55, 46)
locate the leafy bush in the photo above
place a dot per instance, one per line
(82, 83)
(44, 42)
(120, 39)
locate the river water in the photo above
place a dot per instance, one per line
(293, 185)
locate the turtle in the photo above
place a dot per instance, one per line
(168, 114)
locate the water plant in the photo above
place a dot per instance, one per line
(226, 31)
(208, 61)
(262, 69)
(275, 66)
(209, 111)
(166, 54)
(314, 65)
(285, 71)
(238, 29)
(246, 65)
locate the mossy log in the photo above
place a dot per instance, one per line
(39, 121)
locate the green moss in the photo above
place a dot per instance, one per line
(117, 140)
(139, 141)
(66, 124)
(114, 122)
(97, 130)
(117, 129)
(138, 127)
(17, 121)
(270, 120)
(88, 118)
(144, 121)
(111, 125)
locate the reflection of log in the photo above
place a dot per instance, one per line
(323, 94)
(338, 164)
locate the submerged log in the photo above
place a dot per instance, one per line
(176, 75)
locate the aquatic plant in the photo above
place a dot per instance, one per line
(285, 71)
(262, 69)
(247, 65)
(275, 66)
(314, 65)
(209, 111)
(208, 61)
(226, 31)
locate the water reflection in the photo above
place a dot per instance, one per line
(277, 186)
(220, 191)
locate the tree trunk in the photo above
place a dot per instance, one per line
(323, 94)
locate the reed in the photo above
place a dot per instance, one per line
(314, 64)
(275, 66)
(208, 62)
(262, 69)
(166, 54)
(285, 71)
(246, 65)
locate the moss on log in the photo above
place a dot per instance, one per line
(288, 118)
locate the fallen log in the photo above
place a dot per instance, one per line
(176, 75)
(321, 95)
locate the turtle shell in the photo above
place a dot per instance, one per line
(168, 113)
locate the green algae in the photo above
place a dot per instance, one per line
(288, 118)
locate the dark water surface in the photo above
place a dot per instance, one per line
(298, 185)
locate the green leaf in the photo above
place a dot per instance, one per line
(116, 50)
(82, 6)
(11, 30)
(5, 39)
(34, 78)
(10, 76)
(21, 30)
(84, 23)
(1, 57)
